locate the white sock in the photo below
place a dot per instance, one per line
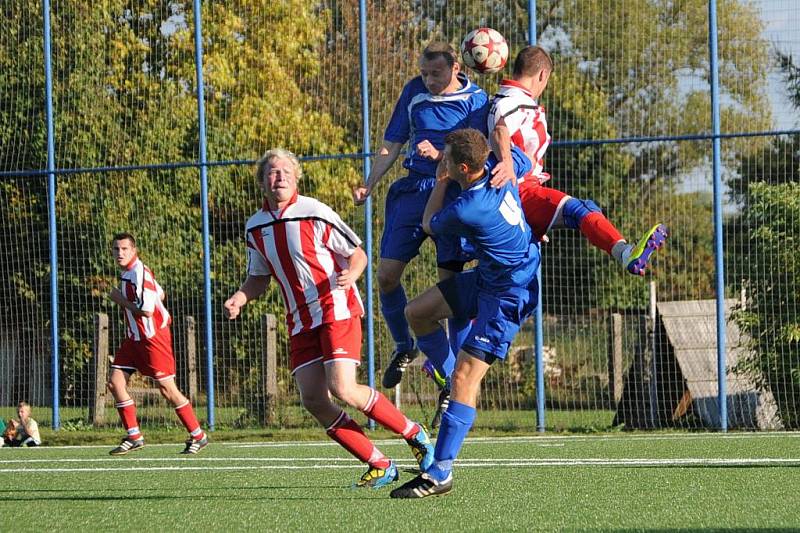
(621, 251)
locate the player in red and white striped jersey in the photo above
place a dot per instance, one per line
(316, 260)
(147, 348)
(515, 117)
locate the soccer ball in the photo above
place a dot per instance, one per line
(484, 50)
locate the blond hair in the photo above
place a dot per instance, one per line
(276, 153)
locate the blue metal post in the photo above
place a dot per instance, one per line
(51, 215)
(538, 320)
(201, 118)
(718, 245)
(362, 55)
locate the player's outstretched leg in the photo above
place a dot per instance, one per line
(636, 263)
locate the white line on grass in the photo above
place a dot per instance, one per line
(468, 463)
(544, 440)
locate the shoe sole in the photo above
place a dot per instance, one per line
(655, 241)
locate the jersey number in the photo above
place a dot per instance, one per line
(511, 211)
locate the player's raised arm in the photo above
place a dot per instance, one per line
(500, 143)
(387, 155)
(435, 203)
(253, 287)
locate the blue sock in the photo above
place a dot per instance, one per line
(436, 347)
(393, 307)
(456, 423)
(457, 331)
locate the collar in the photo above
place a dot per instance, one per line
(266, 207)
(516, 84)
(132, 262)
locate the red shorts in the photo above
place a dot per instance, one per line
(152, 357)
(540, 205)
(336, 340)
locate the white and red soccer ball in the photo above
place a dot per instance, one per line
(484, 50)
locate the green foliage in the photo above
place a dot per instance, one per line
(771, 223)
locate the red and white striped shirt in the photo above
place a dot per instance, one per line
(304, 247)
(526, 123)
(140, 287)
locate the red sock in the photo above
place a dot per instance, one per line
(127, 413)
(600, 231)
(351, 437)
(382, 411)
(186, 414)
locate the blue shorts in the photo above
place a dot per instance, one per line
(403, 234)
(496, 315)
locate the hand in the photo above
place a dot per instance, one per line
(116, 296)
(502, 173)
(346, 279)
(360, 194)
(426, 149)
(232, 307)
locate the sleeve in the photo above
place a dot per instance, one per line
(522, 165)
(399, 127)
(256, 262)
(505, 109)
(340, 238)
(448, 222)
(132, 285)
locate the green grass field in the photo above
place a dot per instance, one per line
(622, 481)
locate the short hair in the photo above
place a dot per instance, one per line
(437, 49)
(277, 153)
(123, 236)
(468, 146)
(531, 59)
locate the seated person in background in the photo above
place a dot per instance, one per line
(24, 431)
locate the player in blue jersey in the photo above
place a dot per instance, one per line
(499, 294)
(440, 100)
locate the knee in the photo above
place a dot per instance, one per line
(115, 387)
(414, 314)
(314, 403)
(463, 384)
(345, 393)
(575, 210)
(387, 281)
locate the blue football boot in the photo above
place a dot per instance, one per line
(422, 448)
(375, 478)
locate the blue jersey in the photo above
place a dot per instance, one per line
(419, 115)
(491, 221)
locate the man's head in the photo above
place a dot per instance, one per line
(439, 68)
(277, 172)
(532, 67)
(123, 249)
(465, 154)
